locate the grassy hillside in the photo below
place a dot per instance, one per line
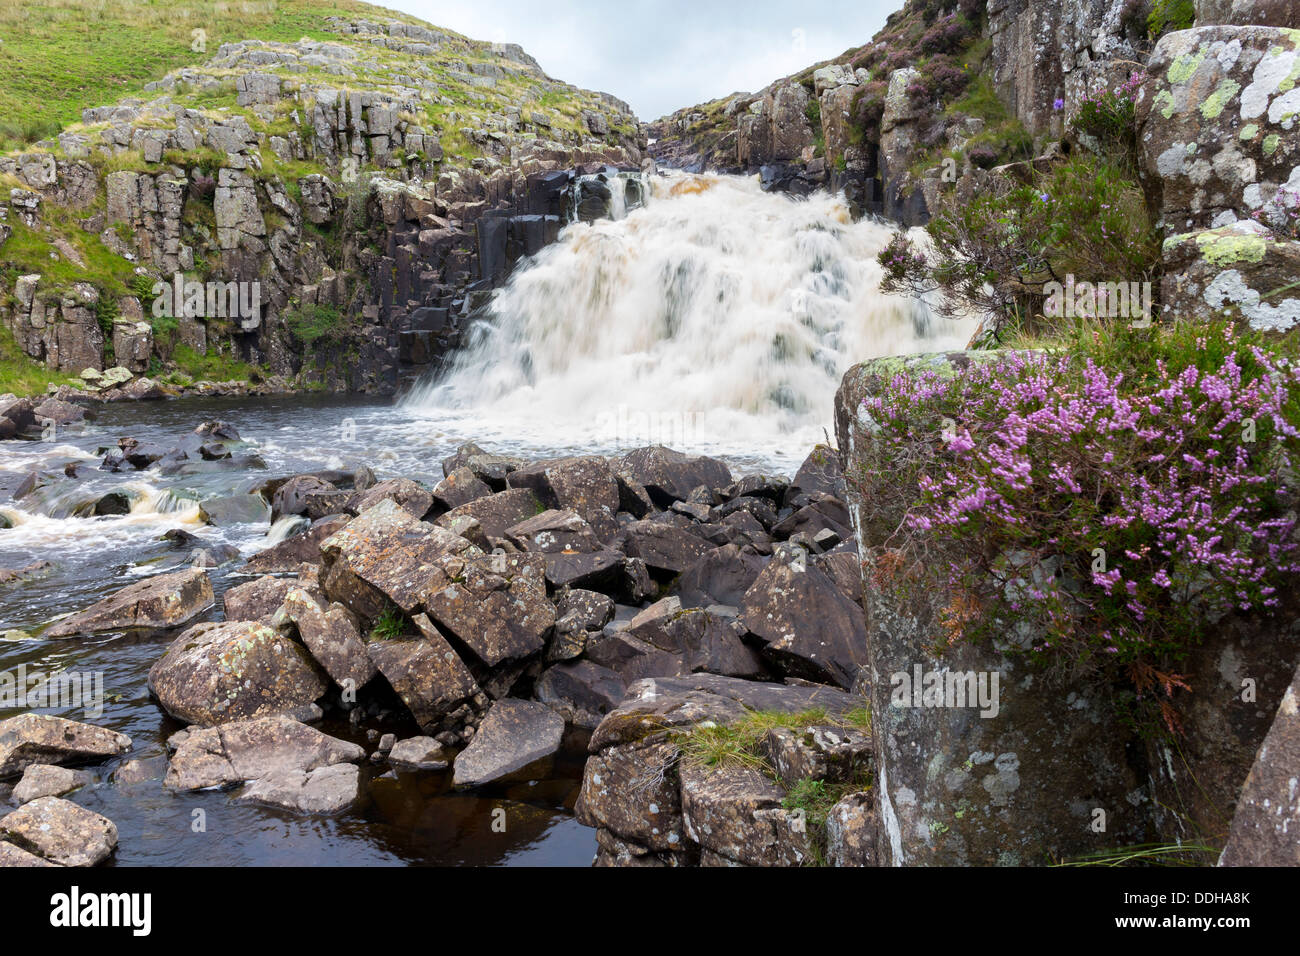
(58, 57)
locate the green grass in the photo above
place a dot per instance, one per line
(389, 626)
(62, 56)
(740, 743)
(23, 376)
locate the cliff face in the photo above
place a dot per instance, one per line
(361, 189)
(979, 82)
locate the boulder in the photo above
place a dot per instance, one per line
(257, 600)
(460, 487)
(497, 512)
(808, 628)
(235, 670)
(497, 608)
(323, 790)
(669, 475)
(736, 812)
(164, 600)
(40, 739)
(384, 556)
(663, 547)
(12, 856)
(582, 692)
(418, 753)
(247, 750)
(235, 509)
(1266, 823)
(427, 675)
(46, 780)
(852, 830)
(291, 497)
(333, 637)
(491, 469)
(720, 576)
(554, 532)
(61, 832)
(514, 736)
(586, 486)
(1238, 270)
(411, 497)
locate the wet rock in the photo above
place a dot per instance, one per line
(497, 512)
(323, 790)
(669, 475)
(663, 547)
(851, 831)
(297, 549)
(235, 670)
(291, 497)
(248, 750)
(411, 497)
(514, 736)
(499, 608)
(235, 509)
(39, 739)
(61, 832)
(419, 753)
(113, 503)
(1266, 823)
(582, 692)
(46, 780)
(140, 771)
(807, 626)
(165, 600)
(257, 600)
(736, 813)
(427, 675)
(28, 572)
(333, 636)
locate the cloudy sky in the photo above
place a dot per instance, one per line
(664, 55)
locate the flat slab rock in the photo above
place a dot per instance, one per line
(164, 600)
(61, 832)
(277, 747)
(323, 790)
(513, 735)
(40, 739)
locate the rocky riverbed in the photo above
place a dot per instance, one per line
(473, 636)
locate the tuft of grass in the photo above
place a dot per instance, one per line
(1149, 854)
(389, 626)
(739, 743)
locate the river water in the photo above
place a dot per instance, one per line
(716, 320)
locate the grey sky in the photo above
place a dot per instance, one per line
(662, 56)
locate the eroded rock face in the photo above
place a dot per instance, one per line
(499, 609)
(736, 813)
(41, 739)
(1266, 827)
(669, 475)
(297, 549)
(515, 735)
(1269, 13)
(257, 600)
(851, 831)
(1217, 125)
(332, 636)
(164, 600)
(1240, 270)
(236, 670)
(61, 832)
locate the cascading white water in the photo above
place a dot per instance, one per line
(718, 317)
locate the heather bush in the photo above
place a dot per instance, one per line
(1098, 507)
(992, 252)
(1108, 117)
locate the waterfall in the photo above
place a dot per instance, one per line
(715, 317)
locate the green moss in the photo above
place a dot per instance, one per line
(1222, 250)
(1169, 15)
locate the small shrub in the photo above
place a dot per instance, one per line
(389, 626)
(1169, 15)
